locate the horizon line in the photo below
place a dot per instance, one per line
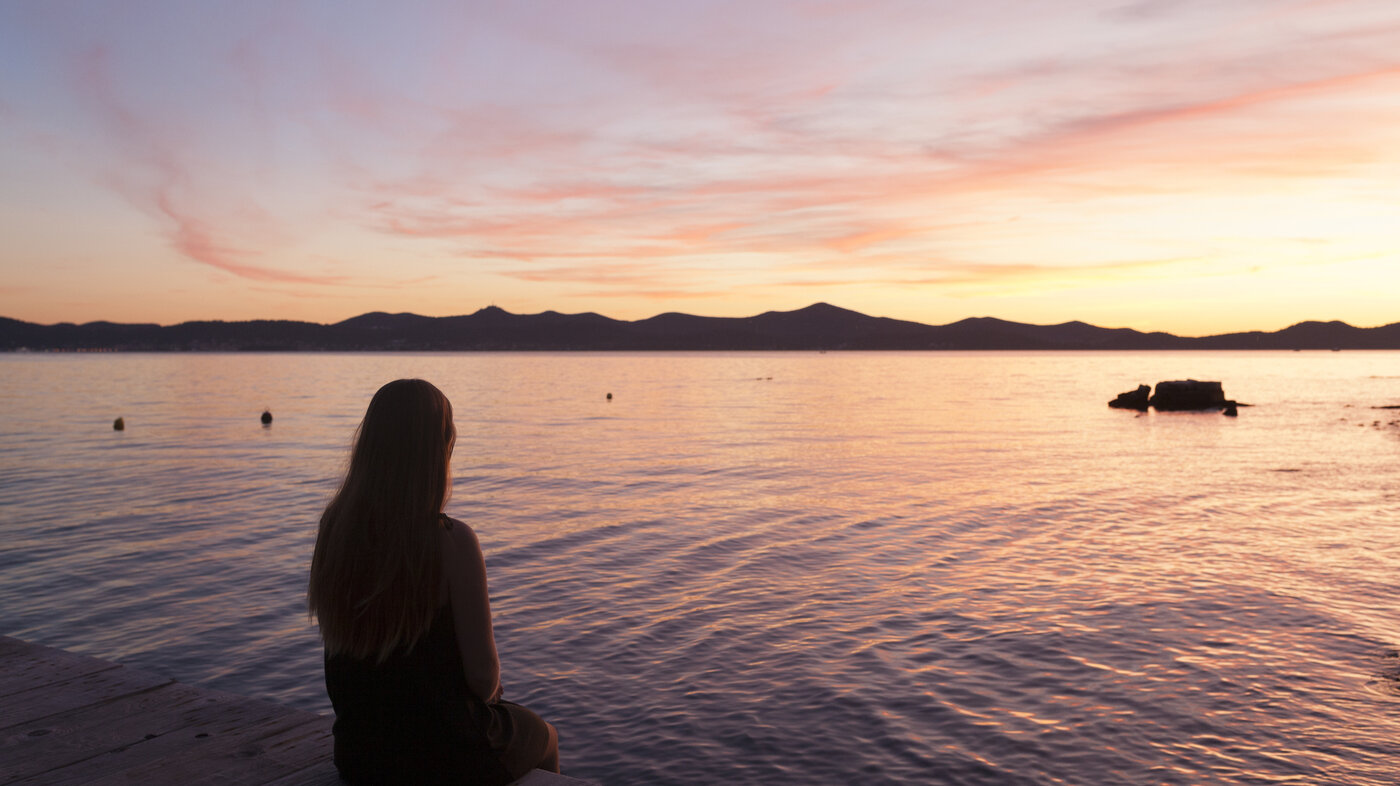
(817, 304)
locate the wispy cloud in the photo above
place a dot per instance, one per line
(1040, 275)
(193, 238)
(151, 170)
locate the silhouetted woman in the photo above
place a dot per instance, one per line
(399, 590)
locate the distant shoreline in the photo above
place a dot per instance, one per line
(819, 327)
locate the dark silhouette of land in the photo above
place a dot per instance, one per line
(816, 327)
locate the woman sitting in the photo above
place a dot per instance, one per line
(399, 591)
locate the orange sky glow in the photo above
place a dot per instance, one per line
(1158, 164)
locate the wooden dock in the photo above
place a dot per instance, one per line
(71, 719)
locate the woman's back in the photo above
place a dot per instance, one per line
(411, 718)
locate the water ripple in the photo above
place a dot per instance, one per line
(711, 581)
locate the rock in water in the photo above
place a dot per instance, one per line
(266, 417)
(119, 425)
(1133, 399)
(1186, 394)
(1231, 410)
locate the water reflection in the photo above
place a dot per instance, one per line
(872, 568)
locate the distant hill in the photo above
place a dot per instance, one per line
(817, 327)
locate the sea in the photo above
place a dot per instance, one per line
(775, 568)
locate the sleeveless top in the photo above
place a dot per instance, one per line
(412, 718)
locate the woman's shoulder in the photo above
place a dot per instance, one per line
(461, 554)
(458, 535)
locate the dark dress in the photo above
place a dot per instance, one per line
(412, 719)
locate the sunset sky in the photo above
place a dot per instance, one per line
(1194, 166)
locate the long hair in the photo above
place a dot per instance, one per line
(376, 570)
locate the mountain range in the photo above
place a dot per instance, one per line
(817, 327)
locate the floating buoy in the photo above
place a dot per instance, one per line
(609, 397)
(119, 425)
(266, 417)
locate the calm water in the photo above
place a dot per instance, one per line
(777, 568)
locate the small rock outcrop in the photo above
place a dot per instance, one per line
(1133, 399)
(119, 424)
(1187, 394)
(1178, 395)
(266, 417)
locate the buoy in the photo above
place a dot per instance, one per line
(266, 417)
(609, 397)
(119, 425)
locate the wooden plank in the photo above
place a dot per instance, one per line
(66, 738)
(319, 774)
(176, 745)
(24, 666)
(9, 644)
(31, 706)
(68, 719)
(302, 755)
(246, 755)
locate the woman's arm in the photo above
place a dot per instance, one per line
(471, 610)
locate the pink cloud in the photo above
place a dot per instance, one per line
(657, 294)
(614, 273)
(1096, 126)
(961, 274)
(152, 172)
(871, 235)
(561, 191)
(640, 279)
(193, 238)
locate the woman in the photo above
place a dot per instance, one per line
(399, 591)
